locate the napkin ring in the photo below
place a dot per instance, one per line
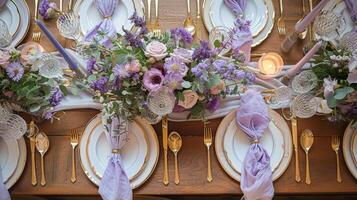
(116, 151)
(256, 141)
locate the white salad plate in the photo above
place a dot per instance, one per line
(90, 16)
(349, 149)
(261, 12)
(280, 136)
(134, 153)
(11, 16)
(236, 144)
(9, 155)
(20, 161)
(256, 12)
(139, 161)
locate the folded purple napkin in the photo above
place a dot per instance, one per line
(104, 32)
(2, 3)
(352, 7)
(253, 118)
(237, 6)
(115, 184)
(4, 194)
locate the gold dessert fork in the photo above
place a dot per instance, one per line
(335, 145)
(75, 136)
(207, 139)
(36, 32)
(281, 20)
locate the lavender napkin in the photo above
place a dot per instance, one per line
(104, 32)
(352, 7)
(253, 118)
(4, 194)
(115, 184)
(237, 6)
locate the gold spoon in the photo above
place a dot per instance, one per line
(175, 143)
(188, 23)
(42, 145)
(306, 141)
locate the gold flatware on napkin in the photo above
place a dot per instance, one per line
(164, 144)
(175, 144)
(75, 135)
(306, 141)
(36, 32)
(281, 20)
(188, 23)
(335, 145)
(207, 139)
(42, 145)
(32, 132)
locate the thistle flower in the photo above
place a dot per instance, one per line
(15, 71)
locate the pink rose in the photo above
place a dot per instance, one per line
(190, 99)
(218, 88)
(4, 58)
(156, 50)
(132, 66)
(30, 52)
(184, 54)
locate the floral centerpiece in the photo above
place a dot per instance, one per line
(336, 70)
(29, 84)
(125, 71)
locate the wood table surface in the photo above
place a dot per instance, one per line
(192, 157)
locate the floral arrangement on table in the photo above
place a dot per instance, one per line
(125, 71)
(336, 70)
(28, 86)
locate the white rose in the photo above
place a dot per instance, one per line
(156, 50)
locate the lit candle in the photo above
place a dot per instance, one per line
(270, 65)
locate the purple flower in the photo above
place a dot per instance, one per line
(250, 76)
(47, 9)
(15, 71)
(184, 54)
(181, 34)
(239, 74)
(213, 104)
(174, 80)
(48, 115)
(120, 71)
(132, 39)
(175, 65)
(197, 70)
(242, 25)
(202, 52)
(219, 65)
(100, 85)
(138, 21)
(153, 79)
(56, 97)
(91, 65)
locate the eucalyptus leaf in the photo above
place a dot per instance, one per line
(35, 108)
(341, 93)
(186, 84)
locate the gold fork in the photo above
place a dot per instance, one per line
(156, 26)
(207, 139)
(281, 20)
(36, 33)
(75, 135)
(335, 145)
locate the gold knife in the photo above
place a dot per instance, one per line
(296, 147)
(164, 144)
(33, 130)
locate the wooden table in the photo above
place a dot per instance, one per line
(192, 158)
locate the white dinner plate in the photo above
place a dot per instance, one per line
(286, 146)
(260, 37)
(10, 14)
(236, 144)
(133, 154)
(151, 160)
(256, 12)
(21, 145)
(348, 151)
(9, 156)
(354, 147)
(24, 25)
(90, 16)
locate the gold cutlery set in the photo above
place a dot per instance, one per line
(153, 27)
(40, 141)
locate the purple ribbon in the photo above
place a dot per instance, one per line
(253, 118)
(352, 7)
(4, 193)
(106, 8)
(237, 6)
(115, 184)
